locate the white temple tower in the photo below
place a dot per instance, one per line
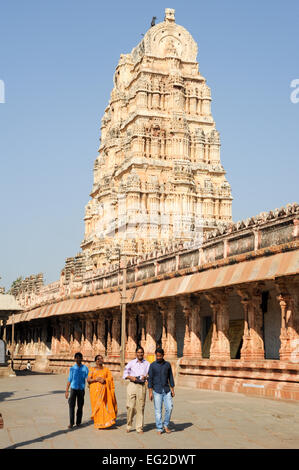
(158, 176)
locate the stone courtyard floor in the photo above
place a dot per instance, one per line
(35, 414)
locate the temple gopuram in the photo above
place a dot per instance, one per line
(221, 297)
(158, 178)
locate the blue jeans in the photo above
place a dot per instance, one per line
(159, 399)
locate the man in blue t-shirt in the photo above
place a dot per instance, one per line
(76, 380)
(161, 389)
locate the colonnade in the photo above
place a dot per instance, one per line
(154, 323)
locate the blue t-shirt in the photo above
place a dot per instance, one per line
(77, 376)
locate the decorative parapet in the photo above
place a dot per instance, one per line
(260, 221)
(268, 229)
(31, 284)
(265, 234)
(31, 290)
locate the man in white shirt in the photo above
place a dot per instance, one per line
(136, 371)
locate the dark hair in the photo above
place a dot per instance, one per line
(98, 355)
(78, 354)
(160, 350)
(139, 347)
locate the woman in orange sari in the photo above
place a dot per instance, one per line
(102, 395)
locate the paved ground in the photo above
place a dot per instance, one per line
(35, 414)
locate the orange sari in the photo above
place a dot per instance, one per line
(102, 398)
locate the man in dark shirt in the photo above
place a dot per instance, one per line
(161, 389)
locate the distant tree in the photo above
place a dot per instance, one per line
(15, 283)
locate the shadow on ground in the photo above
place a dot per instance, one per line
(172, 426)
(49, 436)
(30, 372)
(5, 395)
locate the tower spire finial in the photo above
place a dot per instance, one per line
(169, 15)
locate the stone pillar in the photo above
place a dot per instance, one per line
(187, 309)
(83, 334)
(192, 339)
(253, 344)
(67, 334)
(63, 340)
(163, 311)
(25, 339)
(288, 298)
(58, 338)
(168, 309)
(55, 336)
(196, 346)
(16, 334)
(115, 333)
(4, 330)
(44, 338)
(32, 340)
(100, 341)
(87, 348)
(220, 347)
(38, 341)
(151, 322)
(94, 327)
(52, 346)
(76, 346)
(214, 338)
(71, 335)
(142, 311)
(171, 330)
(19, 340)
(193, 102)
(21, 345)
(132, 334)
(109, 334)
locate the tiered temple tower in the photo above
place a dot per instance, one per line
(158, 178)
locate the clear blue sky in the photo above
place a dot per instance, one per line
(57, 59)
